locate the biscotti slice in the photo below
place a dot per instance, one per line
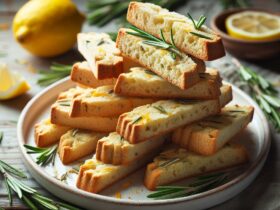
(182, 71)
(174, 164)
(226, 95)
(103, 102)
(77, 143)
(47, 133)
(150, 120)
(114, 149)
(141, 82)
(60, 114)
(209, 135)
(95, 175)
(152, 18)
(100, 51)
(82, 74)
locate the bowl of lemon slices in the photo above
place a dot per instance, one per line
(249, 33)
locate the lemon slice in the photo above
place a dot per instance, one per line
(11, 83)
(252, 25)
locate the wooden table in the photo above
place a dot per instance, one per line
(263, 193)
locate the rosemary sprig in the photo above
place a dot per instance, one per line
(1, 136)
(263, 92)
(32, 199)
(57, 72)
(201, 184)
(199, 23)
(46, 155)
(101, 13)
(157, 42)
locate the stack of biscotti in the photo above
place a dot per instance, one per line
(134, 99)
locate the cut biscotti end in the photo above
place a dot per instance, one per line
(47, 133)
(103, 102)
(163, 116)
(226, 95)
(82, 74)
(77, 143)
(60, 114)
(174, 164)
(141, 82)
(152, 18)
(95, 175)
(101, 54)
(114, 149)
(182, 71)
(209, 135)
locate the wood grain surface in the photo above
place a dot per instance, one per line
(262, 194)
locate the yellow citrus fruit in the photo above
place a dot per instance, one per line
(47, 27)
(11, 83)
(253, 25)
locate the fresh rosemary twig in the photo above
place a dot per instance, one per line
(201, 184)
(32, 199)
(101, 13)
(46, 155)
(263, 92)
(58, 71)
(157, 42)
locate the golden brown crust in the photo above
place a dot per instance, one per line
(105, 71)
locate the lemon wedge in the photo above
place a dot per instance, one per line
(253, 25)
(12, 84)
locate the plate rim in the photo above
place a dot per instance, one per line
(263, 154)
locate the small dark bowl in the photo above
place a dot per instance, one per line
(253, 50)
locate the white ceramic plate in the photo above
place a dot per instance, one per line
(134, 195)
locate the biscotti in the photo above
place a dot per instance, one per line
(114, 149)
(47, 133)
(161, 117)
(100, 51)
(141, 82)
(103, 102)
(95, 175)
(60, 114)
(82, 74)
(182, 71)
(209, 135)
(174, 164)
(152, 18)
(77, 143)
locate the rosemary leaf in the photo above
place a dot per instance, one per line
(150, 72)
(57, 72)
(160, 109)
(200, 35)
(137, 120)
(46, 155)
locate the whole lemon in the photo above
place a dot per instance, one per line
(47, 27)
